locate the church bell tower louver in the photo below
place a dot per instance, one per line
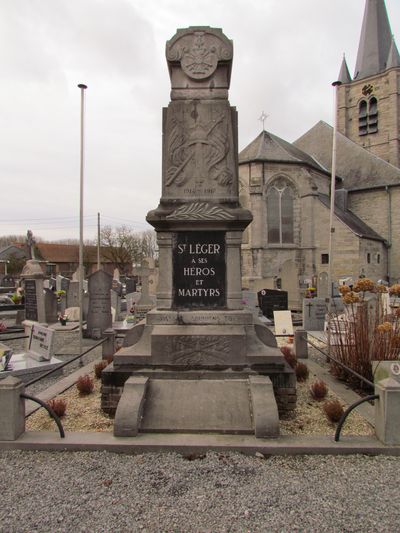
(369, 104)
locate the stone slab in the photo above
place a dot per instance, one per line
(156, 317)
(23, 365)
(197, 406)
(187, 444)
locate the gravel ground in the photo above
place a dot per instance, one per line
(104, 492)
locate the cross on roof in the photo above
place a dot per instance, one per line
(263, 118)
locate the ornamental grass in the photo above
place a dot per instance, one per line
(367, 331)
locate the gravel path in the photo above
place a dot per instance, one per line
(103, 492)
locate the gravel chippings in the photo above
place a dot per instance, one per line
(221, 492)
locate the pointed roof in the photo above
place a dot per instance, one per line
(359, 168)
(269, 147)
(344, 74)
(394, 56)
(375, 40)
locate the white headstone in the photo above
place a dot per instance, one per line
(41, 343)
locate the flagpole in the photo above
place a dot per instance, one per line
(82, 87)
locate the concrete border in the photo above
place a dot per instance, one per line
(187, 444)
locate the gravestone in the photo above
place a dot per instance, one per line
(323, 285)
(8, 281)
(130, 285)
(53, 284)
(283, 323)
(199, 328)
(116, 304)
(73, 294)
(51, 308)
(116, 286)
(33, 276)
(62, 283)
(99, 314)
(314, 311)
(270, 300)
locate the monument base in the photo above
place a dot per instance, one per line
(210, 360)
(233, 403)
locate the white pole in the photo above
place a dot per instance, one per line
(82, 87)
(98, 241)
(333, 192)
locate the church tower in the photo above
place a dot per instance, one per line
(369, 104)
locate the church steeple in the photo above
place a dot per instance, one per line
(375, 40)
(394, 56)
(344, 74)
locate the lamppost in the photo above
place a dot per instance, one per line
(82, 87)
(335, 85)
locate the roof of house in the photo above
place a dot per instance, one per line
(66, 253)
(270, 147)
(359, 168)
(355, 224)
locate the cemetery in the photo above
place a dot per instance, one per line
(196, 361)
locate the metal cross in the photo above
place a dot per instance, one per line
(263, 118)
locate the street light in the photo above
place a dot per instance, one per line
(82, 87)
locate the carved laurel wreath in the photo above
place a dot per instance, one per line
(200, 211)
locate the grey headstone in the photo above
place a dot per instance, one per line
(50, 304)
(73, 294)
(314, 311)
(99, 315)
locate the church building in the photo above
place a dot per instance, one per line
(287, 186)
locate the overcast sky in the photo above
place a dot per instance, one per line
(286, 54)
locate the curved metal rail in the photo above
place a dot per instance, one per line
(349, 410)
(49, 410)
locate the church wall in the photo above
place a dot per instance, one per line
(346, 246)
(373, 259)
(373, 207)
(386, 88)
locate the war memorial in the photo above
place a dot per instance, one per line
(199, 362)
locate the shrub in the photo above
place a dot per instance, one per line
(318, 390)
(302, 372)
(289, 355)
(85, 384)
(99, 367)
(333, 410)
(58, 405)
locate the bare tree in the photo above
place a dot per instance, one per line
(122, 246)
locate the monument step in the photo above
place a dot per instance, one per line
(235, 406)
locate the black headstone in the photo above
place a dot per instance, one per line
(31, 310)
(270, 300)
(199, 270)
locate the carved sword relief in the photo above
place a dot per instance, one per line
(197, 151)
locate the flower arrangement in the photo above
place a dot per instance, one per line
(63, 319)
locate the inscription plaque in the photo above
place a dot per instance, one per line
(31, 311)
(199, 270)
(270, 300)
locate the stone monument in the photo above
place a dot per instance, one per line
(199, 362)
(99, 316)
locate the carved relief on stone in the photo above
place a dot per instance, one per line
(200, 211)
(198, 147)
(200, 350)
(199, 52)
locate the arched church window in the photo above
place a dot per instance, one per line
(280, 200)
(368, 116)
(373, 115)
(363, 118)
